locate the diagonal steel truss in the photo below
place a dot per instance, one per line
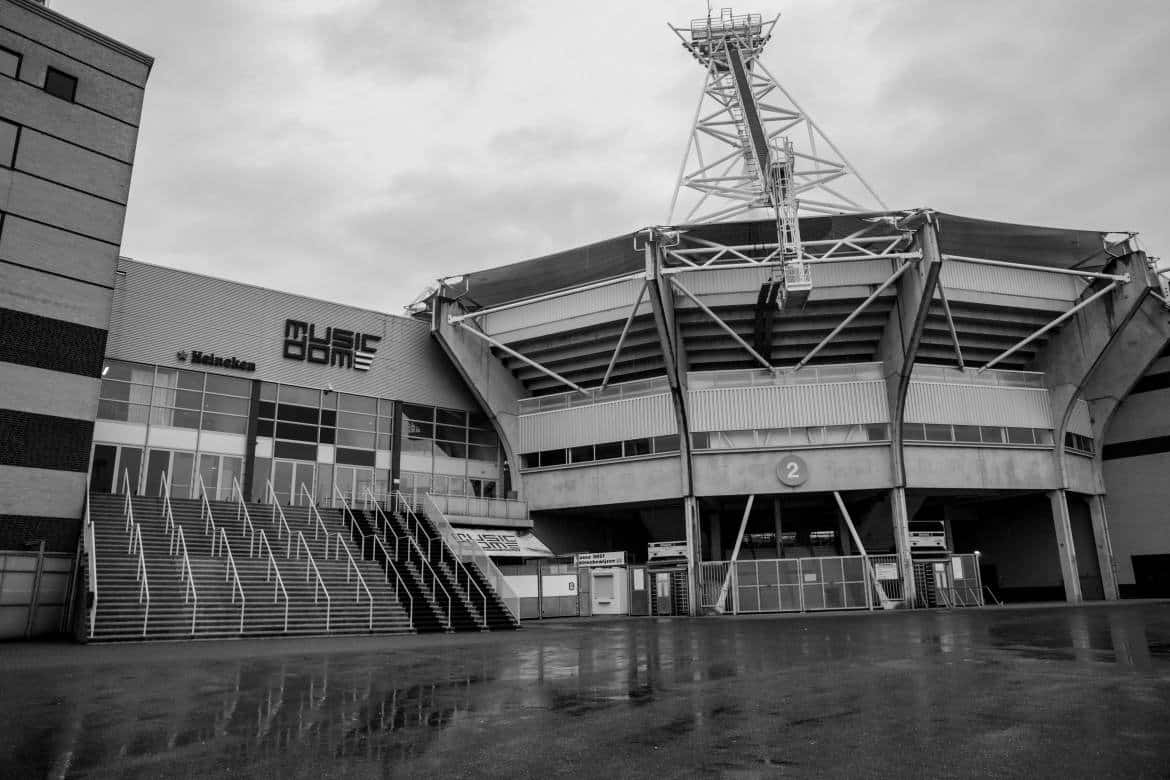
(721, 176)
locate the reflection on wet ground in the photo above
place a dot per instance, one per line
(997, 692)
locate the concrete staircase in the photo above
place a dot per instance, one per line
(216, 611)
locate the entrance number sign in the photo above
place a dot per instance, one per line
(792, 470)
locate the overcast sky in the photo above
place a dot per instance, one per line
(354, 150)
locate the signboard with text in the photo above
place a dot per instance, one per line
(660, 550)
(586, 560)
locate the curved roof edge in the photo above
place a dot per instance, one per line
(612, 257)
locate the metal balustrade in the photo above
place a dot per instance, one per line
(245, 519)
(283, 531)
(398, 581)
(91, 563)
(466, 550)
(319, 585)
(338, 546)
(315, 520)
(187, 576)
(381, 519)
(424, 558)
(135, 532)
(232, 574)
(269, 570)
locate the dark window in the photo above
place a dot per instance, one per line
(530, 460)
(264, 428)
(701, 441)
(938, 432)
(609, 451)
(296, 432)
(1020, 436)
(991, 435)
(967, 433)
(913, 432)
(9, 63)
(636, 447)
(552, 458)
(60, 84)
(293, 451)
(581, 454)
(666, 443)
(876, 432)
(355, 457)
(300, 414)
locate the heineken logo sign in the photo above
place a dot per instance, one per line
(329, 346)
(212, 359)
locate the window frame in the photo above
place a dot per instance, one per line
(19, 61)
(49, 71)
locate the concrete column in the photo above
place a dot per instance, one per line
(779, 526)
(1065, 547)
(1104, 547)
(691, 518)
(900, 518)
(715, 536)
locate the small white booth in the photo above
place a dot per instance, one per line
(607, 578)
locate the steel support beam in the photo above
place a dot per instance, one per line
(719, 602)
(718, 321)
(523, 359)
(861, 549)
(625, 332)
(951, 325)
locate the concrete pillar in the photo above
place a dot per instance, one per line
(900, 519)
(776, 519)
(1065, 547)
(715, 537)
(691, 518)
(1104, 547)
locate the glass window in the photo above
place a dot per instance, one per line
(1020, 436)
(186, 399)
(913, 432)
(9, 63)
(552, 458)
(267, 410)
(877, 432)
(608, 451)
(530, 460)
(59, 84)
(450, 433)
(118, 410)
(295, 451)
(225, 403)
(385, 407)
(1043, 436)
(128, 372)
(418, 413)
(285, 430)
(267, 391)
(224, 423)
(701, 441)
(347, 438)
(383, 441)
(419, 430)
(938, 432)
(229, 385)
(357, 403)
(189, 380)
(300, 395)
(115, 391)
(478, 436)
(175, 418)
(990, 434)
(666, 443)
(355, 457)
(967, 433)
(264, 427)
(489, 453)
(635, 447)
(297, 414)
(451, 449)
(451, 417)
(359, 422)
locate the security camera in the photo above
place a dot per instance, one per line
(328, 388)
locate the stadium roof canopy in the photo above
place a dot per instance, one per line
(613, 257)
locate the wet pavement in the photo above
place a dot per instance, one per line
(999, 692)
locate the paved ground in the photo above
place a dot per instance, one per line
(1041, 692)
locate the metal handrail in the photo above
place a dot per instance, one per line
(91, 564)
(482, 562)
(378, 513)
(311, 565)
(268, 571)
(401, 504)
(282, 523)
(424, 559)
(352, 564)
(398, 581)
(444, 552)
(231, 574)
(315, 518)
(189, 592)
(242, 510)
(128, 507)
(169, 525)
(140, 574)
(205, 512)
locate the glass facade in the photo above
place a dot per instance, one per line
(309, 443)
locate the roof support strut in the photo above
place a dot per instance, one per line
(855, 313)
(1011, 350)
(529, 361)
(727, 328)
(625, 332)
(950, 324)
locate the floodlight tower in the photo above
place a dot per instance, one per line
(747, 154)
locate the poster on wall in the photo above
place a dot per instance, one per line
(500, 542)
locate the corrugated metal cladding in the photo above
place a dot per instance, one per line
(1079, 421)
(1009, 281)
(629, 418)
(731, 280)
(159, 311)
(788, 406)
(618, 296)
(1015, 407)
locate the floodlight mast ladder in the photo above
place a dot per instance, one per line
(742, 158)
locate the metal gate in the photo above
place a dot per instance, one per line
(802, 584)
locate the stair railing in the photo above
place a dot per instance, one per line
(187, 576)
(271, 568)
(246, 528)
(385, 522)
(398, 581)
(231, 573)
(91, 564)
(319, 586)
(424, 558)
(315, 520)
(128, 510)
(339, 545)
(140, 574)
(205, 513)
(467, 550)
(403, 506)
(164, 491)
(278, 519)
(456, 563)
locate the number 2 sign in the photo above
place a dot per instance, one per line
(792, 470)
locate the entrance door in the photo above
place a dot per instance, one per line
(101, 471)
(663, 604)
(129, 462)
(287, 478)
(353, 481)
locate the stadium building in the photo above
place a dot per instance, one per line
(791, 397)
